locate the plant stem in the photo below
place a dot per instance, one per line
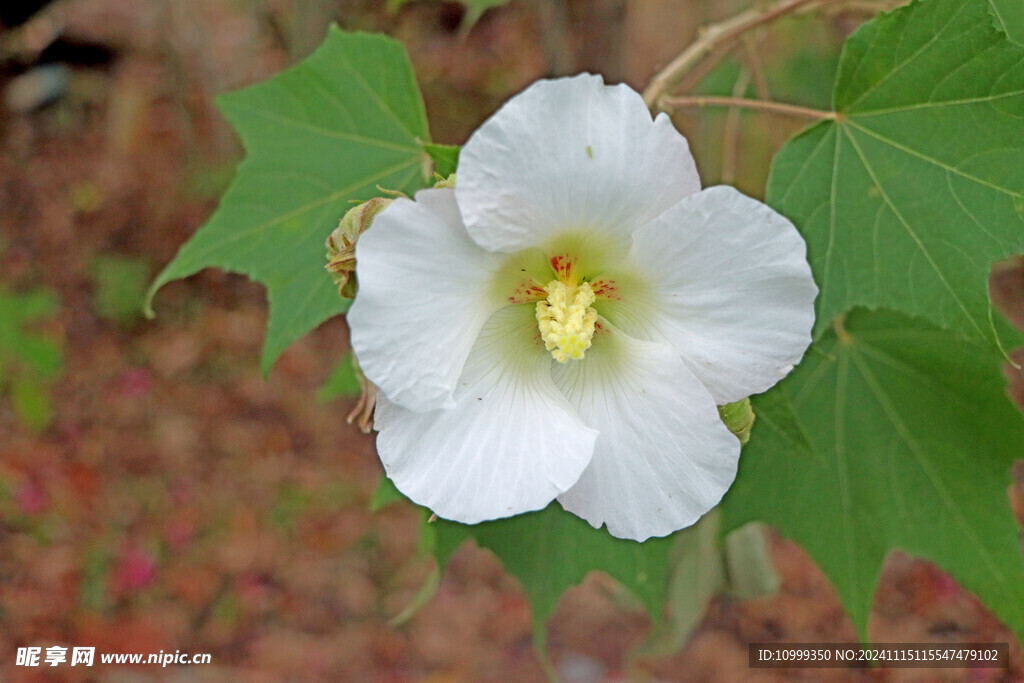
(760, 105)
(866, 7)
(715, 36)
(756, 67)
(731, 131)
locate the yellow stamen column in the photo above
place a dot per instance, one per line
(566, 320)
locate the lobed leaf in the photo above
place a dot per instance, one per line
(327, 131)
(914, 190)
(912, 440)
(552, 550)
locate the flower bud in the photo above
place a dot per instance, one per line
(739, 418)
(341, 244)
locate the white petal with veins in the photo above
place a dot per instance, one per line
(568, 154)
(424, 294)
(728, 285)
(510, 444)
(663, 457)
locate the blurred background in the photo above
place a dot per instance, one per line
(157, 494)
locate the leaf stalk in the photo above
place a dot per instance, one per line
(670, 103)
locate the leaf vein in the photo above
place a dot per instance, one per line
(913, 235)
(237, 235)
(898, 67)
(936, 162)
(326, 132)
(890, 412)
(935, 103)
(376, 98)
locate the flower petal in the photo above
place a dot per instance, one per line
(663, 457)
(424, 294)
(509, 445)
(726, 281)
(570, 154)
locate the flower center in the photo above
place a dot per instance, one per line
(566, 320)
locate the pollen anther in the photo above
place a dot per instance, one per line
(566, 320)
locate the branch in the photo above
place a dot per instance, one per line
(731, 131)
(715, 36)
(865, 7)
(760, 105)
(756, 67)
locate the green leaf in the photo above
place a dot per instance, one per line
(342, 382)
(22, 350)
(32, 403)
(385, 494)
(748, 557)
(549, 551)
(697, 575)
(552, 550)
(445, 158)
(29, 361)
(1009, 18)
(119, 286)
(775, 413)
(913, 438)
(329, 130)
(425, 593)
(914, 190)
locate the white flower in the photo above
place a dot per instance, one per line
(563, 323)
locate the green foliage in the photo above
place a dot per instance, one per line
(696, 576)
(329, 130)
(385, 494)
(32, 402)
(1009, 18)
(910, 195)
(894, 432)
(775, 414)
(913, 438)
(343, 382)
(445, 158)
(29, 362)
(801, 68)
(552, 550)
(119, 287)
(722, 80)
(807, 76)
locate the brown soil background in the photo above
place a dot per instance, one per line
(180, 502)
